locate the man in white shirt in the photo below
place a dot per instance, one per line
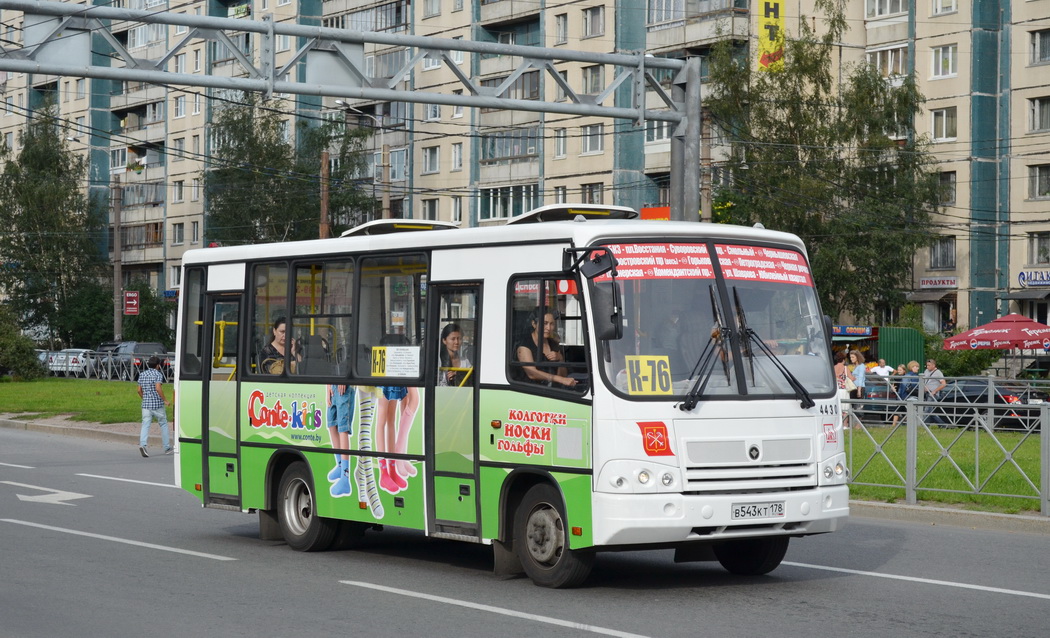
(882, 369)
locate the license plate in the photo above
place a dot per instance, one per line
(744, 511)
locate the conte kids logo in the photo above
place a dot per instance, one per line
(655, 438)
(301, 416)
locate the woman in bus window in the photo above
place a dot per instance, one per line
(450, 371)
(528, 344)
(272, 354)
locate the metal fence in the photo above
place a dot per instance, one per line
(980, 435)
(89, 364)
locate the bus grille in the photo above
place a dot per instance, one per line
(750, 478)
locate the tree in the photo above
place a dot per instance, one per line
(51, 232)
(151, 324)
(263, 188)
(835, 161)
(17, 356)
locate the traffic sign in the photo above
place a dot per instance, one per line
(131, 302)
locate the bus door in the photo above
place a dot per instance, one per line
(451, 427)
(219, 401)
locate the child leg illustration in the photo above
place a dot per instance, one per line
(343, 402)
(389, 480)
(409, 407)
(367, 490)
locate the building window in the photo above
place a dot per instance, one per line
(942, 254)
(431, 8)
(593, 138)
(118, 157)
(593, 79)
(890, 62)
(180, 63)
(457, 156)
(457, 56)
(592, 193)
(81, 85)
(432, 112)
(944, 6)
(196, 59)
(457, 5)
(195, 190)
(945, 60)
(947, 179)
(665, 10)
(1041, 46)
(430, 209)
(561, 28)
(178, 234)
(457, 209)
(1039, 181)
(878, 8)
(520, 144)
(560, 94)
(457, 110)
(431, 61)
(176, 276)
(178, 147)
(507, 201)
(398, 165)
(593, 21)
(195, 231)
(284, 42)
(656, 131)
(944, 124)
(180, 106)
(560, 143)
(195, 145)
(1039, 248)
(1040, 110)
(561, 194)
(178, 191)
(431, 159)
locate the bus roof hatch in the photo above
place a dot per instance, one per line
(569, 212)
(388, 226)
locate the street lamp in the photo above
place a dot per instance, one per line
(384, 161)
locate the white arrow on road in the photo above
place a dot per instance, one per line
(56, 497)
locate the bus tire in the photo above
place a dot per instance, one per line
(542, 543)
(301, 527)
(752, 556)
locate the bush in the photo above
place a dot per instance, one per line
(17, 356)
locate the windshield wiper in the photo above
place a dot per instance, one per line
(716, 346)
(805, 401)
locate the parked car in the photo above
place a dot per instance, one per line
(966, 402)
(103, 364)
(74, 362)
(130, 358)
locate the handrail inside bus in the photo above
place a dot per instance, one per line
(469, 371)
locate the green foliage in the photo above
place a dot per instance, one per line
(86, 319)
(953, 363)
(52, 232)
(151, 324)
(812, 154)
(263, 188)
(17, 356)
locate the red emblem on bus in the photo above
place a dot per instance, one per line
(655, 438)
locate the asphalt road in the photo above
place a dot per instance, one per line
(120, 552)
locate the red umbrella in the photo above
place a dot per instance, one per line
(1005, 333)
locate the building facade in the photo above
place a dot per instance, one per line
(983, 66)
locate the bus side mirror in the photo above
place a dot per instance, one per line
(608, 325)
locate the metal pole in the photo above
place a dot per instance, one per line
(911, 455)
(324, 230)
(118, 248)
(693, 127)
(386, 177)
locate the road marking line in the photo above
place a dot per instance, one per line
(496, 610)
(114, 539)
(928, 581)
(21, 467)
(114, 478)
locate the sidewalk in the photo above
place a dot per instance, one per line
(923, 514)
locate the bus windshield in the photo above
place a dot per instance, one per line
(749, 325)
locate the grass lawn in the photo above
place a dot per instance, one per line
(955, 467)
(82, 399)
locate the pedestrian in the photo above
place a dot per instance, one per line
(151, 390)
(933, 382)
(882, 369)
(859, 371)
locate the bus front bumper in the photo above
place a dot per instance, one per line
(642, 519)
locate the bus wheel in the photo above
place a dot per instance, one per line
(752, 556)
(542, 544)
(302, 528)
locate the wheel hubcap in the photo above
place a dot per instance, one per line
(545, 537)
(298, 506)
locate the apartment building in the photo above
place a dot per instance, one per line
(984, 66)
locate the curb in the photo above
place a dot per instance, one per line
(83, 433)
(972, 519)
(860, 509)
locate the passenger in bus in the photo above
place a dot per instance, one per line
(272, 354)
(451, 364)
(526, 347)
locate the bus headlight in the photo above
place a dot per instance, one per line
(828, 472)
(643, 477)
(667, 479)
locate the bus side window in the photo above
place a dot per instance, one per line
(546, 344)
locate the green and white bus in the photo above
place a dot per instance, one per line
(574, 381)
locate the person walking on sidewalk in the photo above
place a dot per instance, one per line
(151, 389)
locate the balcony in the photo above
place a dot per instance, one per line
(700, 28)
(507, 10)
